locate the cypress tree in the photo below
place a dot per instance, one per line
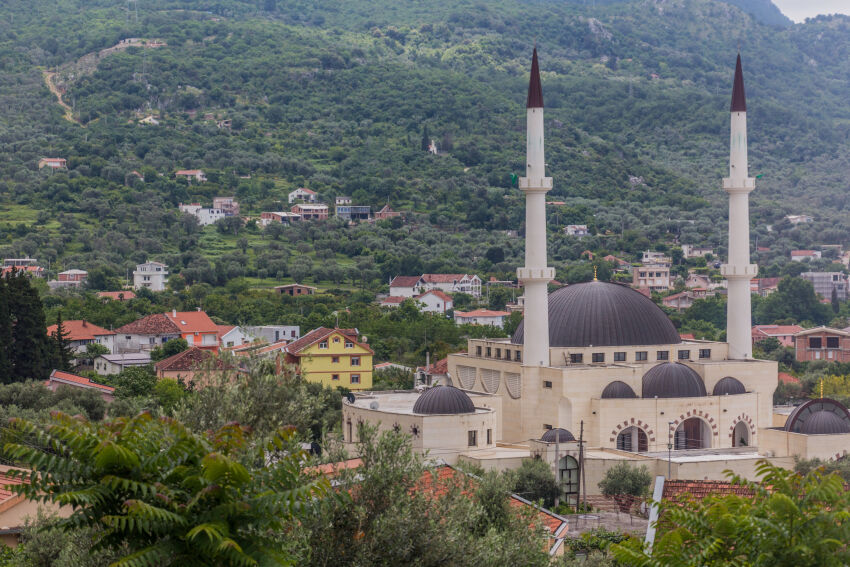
(426, 138)
(836, 307)
(30, 348)
(62, 353)
(6, 366)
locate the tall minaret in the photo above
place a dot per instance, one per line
(535, 275)
(738, 271)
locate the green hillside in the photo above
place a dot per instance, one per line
(337, 96)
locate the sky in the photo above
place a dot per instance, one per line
(799, 10)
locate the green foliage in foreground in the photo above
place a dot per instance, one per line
(792, 520)
(165, 495)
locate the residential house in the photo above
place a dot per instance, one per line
(342, 200)
(391, 366)
(782, 333)
(232, 335)
(60, 378)
(150, 275)
(800, 255)
(683, 300)
(578, 230)
(228, 205)
(620, 265)
(386, 213)
(764, 286)
(697, 280)
(17, 511)
(81, 333)
(652, 278)
(406, 286)
(196, 328)
(19, 262)
(822, 343)
(797, 219)
(53, 163)
(436, 374)
(111, 364)
(68, 279)
(311, 212)
(274, 333)
(296, 289)
(434, 301)
(283, 217)
(453, 283)
(333, 357)
(304, 195)
(124, 295)
(653, 258)
(191, 175)
(392, 301)
(146, 333)
(192, 365)
(825, 282)
(691, 251)
(353, 212)
(481, 317)
(32, 271)
(204, 215)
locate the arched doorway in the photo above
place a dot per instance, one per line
(633, 439)
(693, 433)
(741, 435)
(568, 479)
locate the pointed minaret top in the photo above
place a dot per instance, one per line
(739, 99)
(535, 93)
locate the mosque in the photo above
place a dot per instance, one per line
(601, 363)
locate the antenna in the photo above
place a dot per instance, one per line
(132, 8)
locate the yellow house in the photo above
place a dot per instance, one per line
(333, 357)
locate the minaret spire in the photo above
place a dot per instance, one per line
(738, 271)
(535, 275)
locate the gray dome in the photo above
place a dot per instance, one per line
(443, 400)
(819, 417)
(728, 386)
(557, 434)
(618, 389)
(672, 380)
(604, 314)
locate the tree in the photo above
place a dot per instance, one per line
(30, 350)
(169, 348)
(791, 519)
(93, 350)
(534, 481)
(625, 483)
(161, 495)
(134, 381)
(836, 306)
(426, 138)
(768, 345)
(62, 353)
(795, 299)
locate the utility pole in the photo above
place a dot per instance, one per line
(582, 476)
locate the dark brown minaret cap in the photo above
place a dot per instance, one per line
(535, 93)
(739, 99)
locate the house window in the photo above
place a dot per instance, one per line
(663, 355)
(323, 344)
(478, 350)
(489, 436)
(489, 352)
(518, 356)
(547, 384)
(349, 344)
(598, 357)
(684, 354)
(355, 361)
(498, 353)
(547, 426)
(334, 359)
(705, 353)
(336, 339)
(640, 355)
(355, 378)
(619, 357)
(507, 354)
(473, 438)
(576, 358)
(832, 342)
(814, 342)
(334, 376)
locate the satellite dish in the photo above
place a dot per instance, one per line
(374, 405)
(350, 397)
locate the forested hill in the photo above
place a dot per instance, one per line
(338, 96)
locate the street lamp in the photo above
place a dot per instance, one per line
(669, 448)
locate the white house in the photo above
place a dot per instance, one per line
(232, 335)
(342, 200)
(192, 175)
(435, 301)
(152, 275)
(273, 333)
(283, 217)
(797, 219)
(81, 333)
(691, 251)
(578, 230)
(406, 286)
(481, 317)
(109, 364)
(800, 255)
(453, 283)
(653, 258)
(303, 194)
(204, 215)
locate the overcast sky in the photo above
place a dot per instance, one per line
(799, 10)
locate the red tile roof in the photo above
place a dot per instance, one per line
(189, 359)
(80, 330)
(481, 313)
(393, 300)
(439, 367)
(405, 281)
(687, 336)
(436, 292)
(443, 278)
(117, 295)
(192, 321)
(316, 335)
(332, 470)
(63, 377)
(224, 329)
(156, 324)
(776, 330)
(679, 490)
(786, 378)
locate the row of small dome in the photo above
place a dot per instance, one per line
(673, 380)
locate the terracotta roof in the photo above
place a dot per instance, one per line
(117, 295)
(10, 269)
(679, 490)
(823, 329)
(188, 172)
(739, 99)
(80, 330)
(776, 330)
(305, 190)
(405, 281)
(156, 324)
(73, 380)
(393, 300)
(535, 91)
(786, 378)
(189, 359)
(224, 329)
(435, 292)
(192, 321)
(481, 313)
(444, 278)
(687, 336)
(439, 367)
(8, 497)
(331, 470)
(318, 334)
(803, 253)
(279, 345)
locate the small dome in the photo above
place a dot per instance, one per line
(443, 400)
(558, 434)
(604, 314)
(672, 380)
(618, 389)
(728, 386)
(819, 417)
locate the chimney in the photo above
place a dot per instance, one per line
(174, 313)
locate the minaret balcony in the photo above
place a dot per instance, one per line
(746, 271)
(535, 183)
(737, 184)
(531, 274)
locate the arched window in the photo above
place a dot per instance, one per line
(633, 439)
(693, 433)
(741, 435)
(568, 479)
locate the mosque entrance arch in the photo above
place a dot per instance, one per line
(633, 439)
(568, 479)
(693, 433)
(741, 435)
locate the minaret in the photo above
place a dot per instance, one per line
(738, 271)
(535, 275)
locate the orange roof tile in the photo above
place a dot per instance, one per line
(80, 330)
(437, 293)
(192, 321)
(189, 359)
(72, 379)
(786, 378)
(117, 295)
(481, 313)
(678, 490)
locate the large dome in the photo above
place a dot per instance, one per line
(819, 417)
(604, 314)
(443, 400)
(728, 386)
(618, 389)
(672, 380)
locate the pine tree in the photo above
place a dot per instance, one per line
(426, 138)
(62, 353)
(6, 366)
(30, 348)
